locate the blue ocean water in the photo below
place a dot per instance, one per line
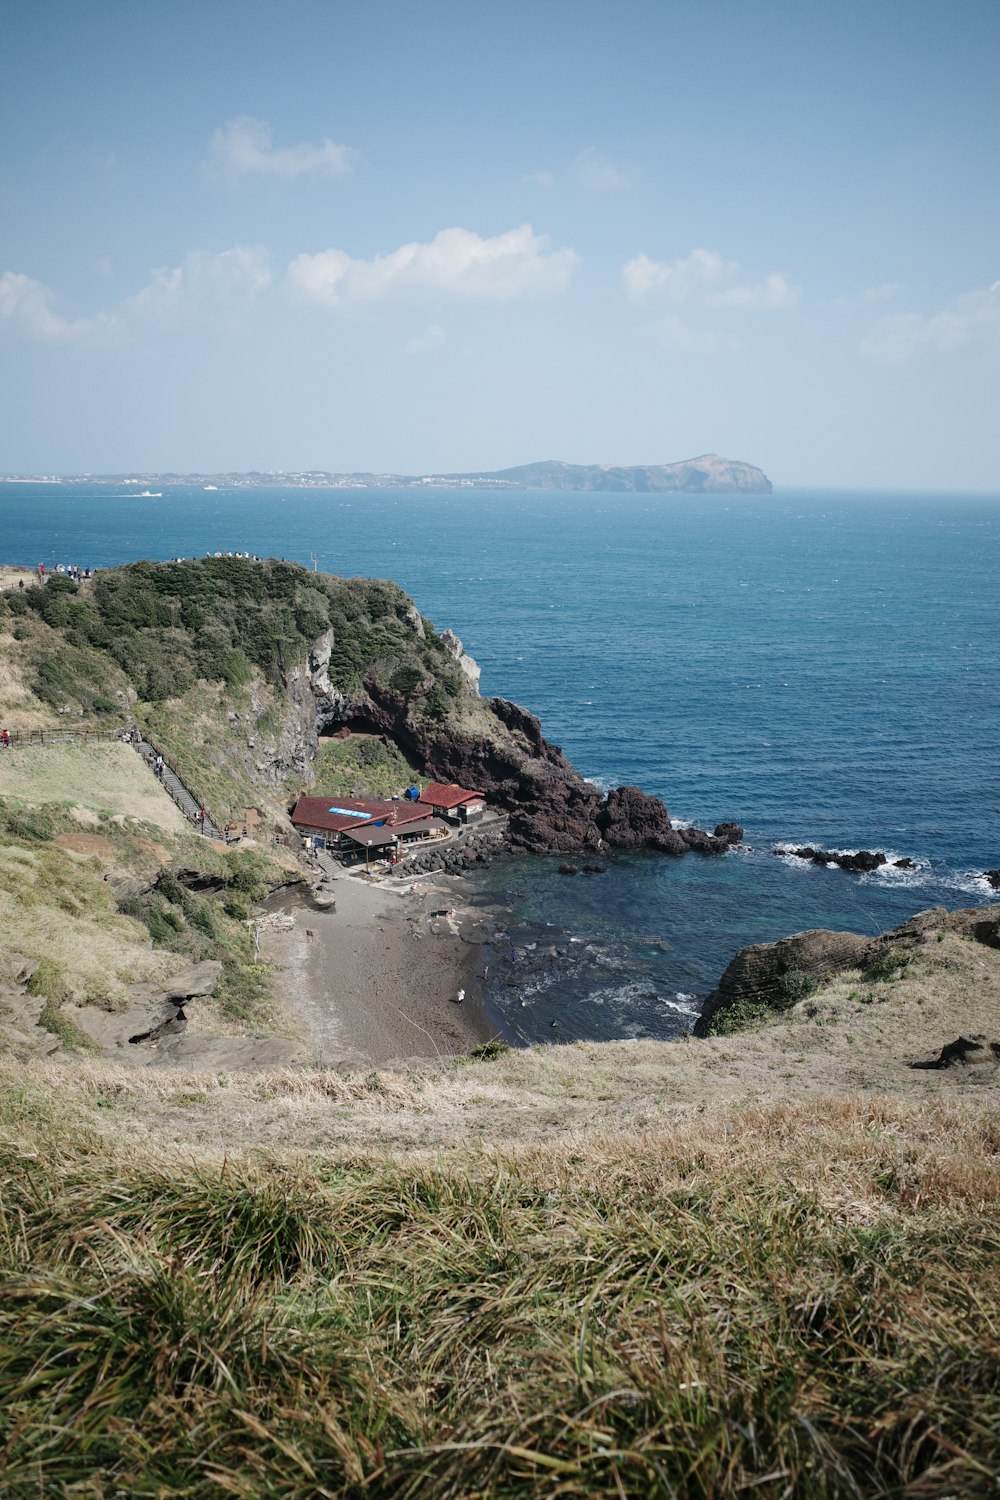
(820, 667)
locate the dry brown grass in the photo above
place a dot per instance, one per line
(109, 779)
(18, 704)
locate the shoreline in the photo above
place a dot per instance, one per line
(377, 979)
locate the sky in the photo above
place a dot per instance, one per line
(442, 235)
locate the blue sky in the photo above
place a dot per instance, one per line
(431, 236)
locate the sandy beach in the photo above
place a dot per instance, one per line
(378, 979)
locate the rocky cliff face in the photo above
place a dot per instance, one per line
(772, 976)
(498, 748)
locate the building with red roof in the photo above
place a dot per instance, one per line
(332, 818)
(452, 800)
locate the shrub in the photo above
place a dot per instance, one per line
(888, 963)
(793, 986)
(490, 1050)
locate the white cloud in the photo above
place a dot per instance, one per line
(686, 280)
(202, 289)
(432, 337)
(204, 285)
(27, 304)
(244, 145)
(456, 262)
(597, 172)
(773, 294)
(973, 318)
(704, 278)
(541, 179)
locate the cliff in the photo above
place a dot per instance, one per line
(237, 667)
(771, 978)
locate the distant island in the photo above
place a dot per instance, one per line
(707, 475)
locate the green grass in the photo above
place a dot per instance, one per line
(49, 982)
(668, 1325)
(364, 765)
(53, 902)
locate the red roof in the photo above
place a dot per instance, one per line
(338, 814)
(441, 794)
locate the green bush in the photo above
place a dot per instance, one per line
(887, 964)
(737, 1017)
(793, 986)
(490, 1050)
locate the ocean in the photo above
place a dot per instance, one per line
(818, 666)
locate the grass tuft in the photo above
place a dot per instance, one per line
(650, 1319)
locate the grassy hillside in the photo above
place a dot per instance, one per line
(98, 877)
(643, 1269)
(162, 627)
(795, 1300)
(201, 653)
(760, 1263)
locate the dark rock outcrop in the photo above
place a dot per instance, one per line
(756, 975)
(993, 876)
(767, 976)
(629, 819)
(861, 863)
(550, 807)
(976, 1052)
(730, 833)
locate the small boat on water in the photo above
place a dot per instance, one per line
(210, 486)
(149, 495)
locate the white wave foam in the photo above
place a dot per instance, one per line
(970, 883)
(604, 783)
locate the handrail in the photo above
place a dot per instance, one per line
(59, 736)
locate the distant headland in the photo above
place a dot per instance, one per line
(708, 474)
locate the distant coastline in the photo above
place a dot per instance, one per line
(707, 474)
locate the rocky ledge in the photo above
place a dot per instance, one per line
(772, 977)
(499, 749)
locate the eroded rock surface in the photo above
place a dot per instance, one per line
(766, 973)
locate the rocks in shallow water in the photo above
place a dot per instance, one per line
(630, 819)
(595, 870)
(861, 863)
(702, 842)
(993, 876)
(904, 864)
(730, 833)
(669, 843)
(568, 870)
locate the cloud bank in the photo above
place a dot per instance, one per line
(27, 304)
(202, 290)
(243, 145)
(970, 320)
(703, 278)
(456, 262)
(203, 285)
